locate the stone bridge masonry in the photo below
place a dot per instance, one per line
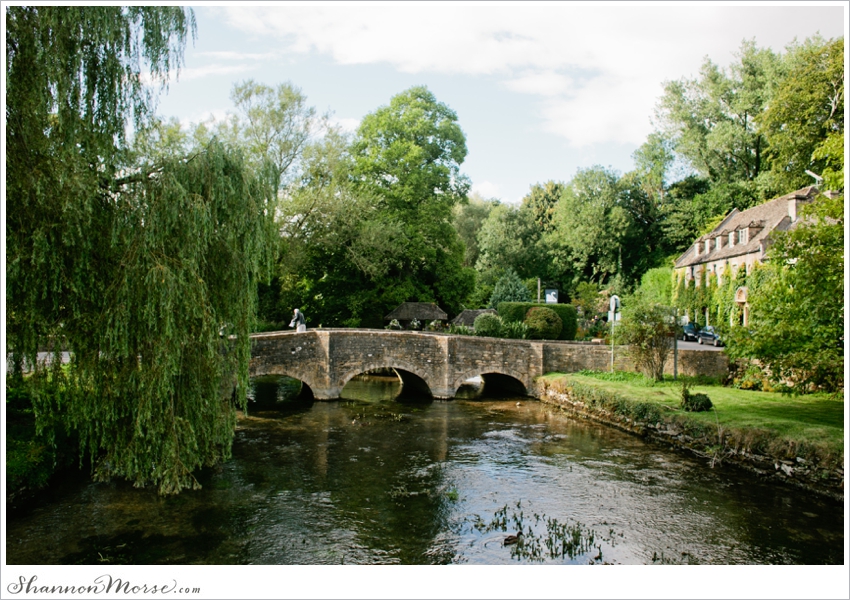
(438, 364)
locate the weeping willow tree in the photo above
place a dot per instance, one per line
(146, 273)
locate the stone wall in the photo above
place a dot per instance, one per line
(569, 357)
(326, 359)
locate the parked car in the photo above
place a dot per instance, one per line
(689, 333)
(707, 335)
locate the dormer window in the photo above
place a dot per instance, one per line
(731, 239)
(718, 242)
(742, 236)
(707, 246)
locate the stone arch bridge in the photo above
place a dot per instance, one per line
(438, 364)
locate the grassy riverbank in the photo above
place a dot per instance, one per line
(798, 437)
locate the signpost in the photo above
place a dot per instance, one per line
(613, 317)
(675, 343)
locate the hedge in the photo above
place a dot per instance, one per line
(515, 312)
(543, 323)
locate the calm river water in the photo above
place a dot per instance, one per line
(372, 479)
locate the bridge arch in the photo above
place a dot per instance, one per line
(413, 378)
(308, 382)
(498, 378)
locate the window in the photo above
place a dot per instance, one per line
(731, 238)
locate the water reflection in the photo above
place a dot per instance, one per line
(372, 479)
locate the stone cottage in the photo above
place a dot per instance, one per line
(741, 240)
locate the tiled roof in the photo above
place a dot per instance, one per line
(407, 311)
(766, 218)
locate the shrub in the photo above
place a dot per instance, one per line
(488, 325)
(649, 331)
(694, 402)
(512, 312)
(394, 324)
(543, 324)
(514, 331)
(460, 330)
(415, 325)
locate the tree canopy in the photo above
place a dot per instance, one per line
(796, 324)
(144, 266)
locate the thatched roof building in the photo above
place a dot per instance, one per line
(467, 317)
(425, 312)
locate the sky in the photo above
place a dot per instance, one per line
(540, 89)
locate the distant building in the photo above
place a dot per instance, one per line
(467, 317)
(741, 240)
(424, 312)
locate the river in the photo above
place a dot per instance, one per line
(376, 479)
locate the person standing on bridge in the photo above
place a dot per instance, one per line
(298, 321)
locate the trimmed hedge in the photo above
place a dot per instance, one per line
(512, 312)
(543, 323)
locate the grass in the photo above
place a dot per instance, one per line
(809, 420)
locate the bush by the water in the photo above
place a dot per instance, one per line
(543, 324)
(513, 312)
(694, 402)
(488, 325)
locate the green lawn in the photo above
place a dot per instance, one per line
(812, 419)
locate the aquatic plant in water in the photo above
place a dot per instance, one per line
(560, 540)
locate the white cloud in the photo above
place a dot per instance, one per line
(347, 125)
(224, 55)
(215, 69)
(486, 189)
(210, 117)
(596, 68)
(541, 84)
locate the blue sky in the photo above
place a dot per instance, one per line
(540, 89)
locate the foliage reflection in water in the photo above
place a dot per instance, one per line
(378, 478)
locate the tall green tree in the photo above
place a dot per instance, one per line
(603, 228)
(713, 119)
(407, 156)
(806, 110)
(141, 266)
(274, 126)
(540, 202)
(468, 220)
(511, 239)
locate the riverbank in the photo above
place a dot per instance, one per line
(797, 440)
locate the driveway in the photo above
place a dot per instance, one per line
(696, 346)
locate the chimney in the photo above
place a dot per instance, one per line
(792, 209)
